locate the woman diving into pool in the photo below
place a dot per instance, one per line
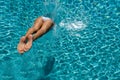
(40, 27)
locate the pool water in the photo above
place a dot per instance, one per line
(84, 43)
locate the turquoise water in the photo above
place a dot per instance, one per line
(84, 43)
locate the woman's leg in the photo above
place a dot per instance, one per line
(22, 46)
(45, 27)
(37, 25)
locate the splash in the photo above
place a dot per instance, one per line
(74, 25)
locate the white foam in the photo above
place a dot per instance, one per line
(75, 25)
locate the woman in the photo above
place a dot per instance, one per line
(41, 26)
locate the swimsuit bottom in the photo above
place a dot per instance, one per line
(45, 18)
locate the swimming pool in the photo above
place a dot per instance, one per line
(84, 44)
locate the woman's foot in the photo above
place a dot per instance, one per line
(28, 45)
(21, 45)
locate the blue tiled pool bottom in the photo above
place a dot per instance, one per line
(84, 44)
